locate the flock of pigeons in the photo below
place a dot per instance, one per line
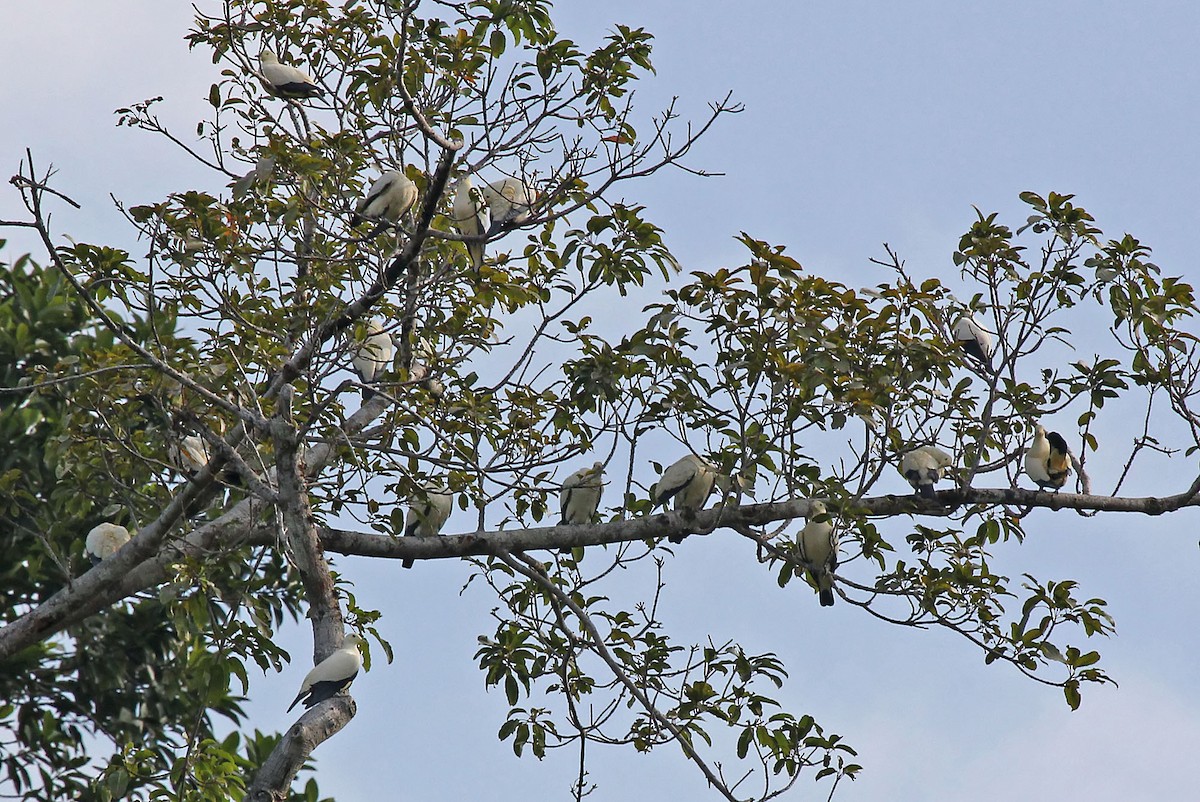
(476, 214)
(687, 483)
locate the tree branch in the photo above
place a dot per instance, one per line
(314, 728)
(535, 571)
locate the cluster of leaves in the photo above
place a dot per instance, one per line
(154, 670)
(765, 368)
(657, 691)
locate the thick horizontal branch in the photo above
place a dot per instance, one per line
(242, 526)
(662, 525)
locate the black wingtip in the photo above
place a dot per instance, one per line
(407, 563)
(926, 491)
(827, 597)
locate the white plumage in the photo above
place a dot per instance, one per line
(189, 455)
(427, 514)
(286, 80)
(975, 340)
(332, 674)
(923, 467)
(388, 199)
(689, 481)
(581, 492)
(373, 356)
(104, 540)
(1048, 460)
(471, 218)
(818, 549)
(509, 200)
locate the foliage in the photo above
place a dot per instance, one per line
(238, 324)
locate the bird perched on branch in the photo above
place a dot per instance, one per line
(581, 493)
(389, 198)
(471, 218)
(427, 514)
(104, 540)
(331, 675)
(975, 340)
(189, 455)
(818, 549)
(580, 496)
(923, 467)
(285, 80)
(373, 356)
(689, 481)
(1048, 460)
(509, 200)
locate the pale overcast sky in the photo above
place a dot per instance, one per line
(865, 122)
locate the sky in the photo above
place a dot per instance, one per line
(864, 123)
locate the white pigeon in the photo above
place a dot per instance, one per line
(104, 540)
(332, 674)
(581, 493)
(284, 79)
(1048, 460)
(509, 201)
(975, 340)
(818, 549)
(373, 356)
(427, 514)
(471, 218)
(388, 199)
(923, 467)
(189, 455)
(688, 481)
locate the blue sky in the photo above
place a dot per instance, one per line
(865, 123)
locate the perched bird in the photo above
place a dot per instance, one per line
(284, 79)
(427, 514)
(509, 200)
(819, 550)
(434, 387)
(689, 482)
(975, 341)
(471, 218)
(1048, 460)
(189, 455)
(423, 357)
(581, 493)
(332, 674)
(388, 199)
(104, 540)
(923, 467)
(373, 356)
